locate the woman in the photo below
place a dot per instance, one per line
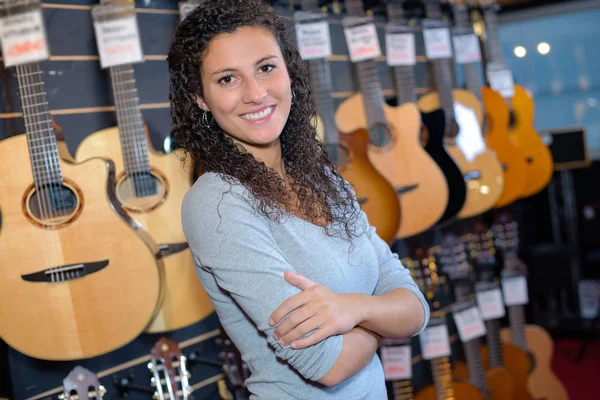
(300, 281)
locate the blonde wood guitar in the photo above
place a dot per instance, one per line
(80, 278)
(150, 186)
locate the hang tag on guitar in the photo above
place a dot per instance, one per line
(501, 79)
(117, 35)
(399, 47)
(185, 8)
(514, 289)
(397, 362)
(361, 38)
(490, 303)
(469, 323)
(435, 342)
(437, 39)
(23, 38)
(466, 48)
(469, 139)
(312, 35)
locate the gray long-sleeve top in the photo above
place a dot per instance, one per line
(241, 257)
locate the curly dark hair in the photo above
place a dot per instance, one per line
(321, 192)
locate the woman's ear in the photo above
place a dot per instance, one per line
(201, 103)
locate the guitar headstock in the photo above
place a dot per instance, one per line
(81, 384)
(235, 368)
(169, 371)
(453, 257)
(506, 230)
(424, 270)
(481, 244)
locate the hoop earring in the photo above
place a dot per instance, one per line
(293, 98)
(205, 122)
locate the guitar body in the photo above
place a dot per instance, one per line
(539, 159)
(486, 187)
(461, 391)
(435, 125)
(542, 383)
(65, 316)
(185, 301)
(418, 181)
(375, 194)
(497, 138)
(518, 364)
(499, 381)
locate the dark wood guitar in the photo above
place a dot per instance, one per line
(81, 384)
(170, 376)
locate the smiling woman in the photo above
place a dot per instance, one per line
(297, 275)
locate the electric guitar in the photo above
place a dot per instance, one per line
(349, 151)
(522, 132)
(150, 186)
(74, 264)
(169, 371)
(82, 384)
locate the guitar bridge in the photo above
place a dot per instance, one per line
(65, 273)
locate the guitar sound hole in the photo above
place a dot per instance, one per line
(143, 184)
(53, 202)
(380, 135)
(142, 191)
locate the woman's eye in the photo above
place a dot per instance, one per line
(226, 80)
(267, 68)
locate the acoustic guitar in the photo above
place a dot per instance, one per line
(522, 132)
(150, 186)
(349, 150)
(496, 119)
(74, 264)
(494, 383)
(235, 369)
(433, 285)
(463, 139)
(170, 376)
(82, 384)
(542, 383)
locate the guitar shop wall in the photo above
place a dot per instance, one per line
(81, 103)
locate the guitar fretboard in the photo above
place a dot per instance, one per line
(493, 343)
(402, 390)
(404, 76)
(442, 378)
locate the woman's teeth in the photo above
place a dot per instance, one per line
(260, 115)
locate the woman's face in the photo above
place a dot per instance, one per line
(247, 88)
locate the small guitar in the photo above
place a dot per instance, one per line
(542, 383)
(169, 372)
(349, 150)
(522, 132)
(236, 370)
(150, 186)
(74, 264)
(480, 167)
(82, 384)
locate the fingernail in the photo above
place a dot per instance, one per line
(294, 345)
(281, 343)
(275, 336)
(271, 322)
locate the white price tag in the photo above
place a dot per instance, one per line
(185, 8)
(362, 41)
(400, 49)
(437, 43)
(397, 362)
(435, 342)
(23, 38)
(466, 48)
(469, 324)
(469, 139)
(589, 298)
(514, 289)
(313, 40)
(490, 304)
(501, 80)
(118, 41)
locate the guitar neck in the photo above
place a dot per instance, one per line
(41, 139)
(493, 343)
(494, 46)
(134, 145)
(404, 76)
(472, 71)
(370, 87)
(402, 390)
(516, 317)
(442, 378)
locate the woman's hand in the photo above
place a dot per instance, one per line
(319, 308)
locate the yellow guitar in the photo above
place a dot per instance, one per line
(150, 186)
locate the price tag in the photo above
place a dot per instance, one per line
(23, 38)
(118, 39)
(501, 79)
(400, 49)
(397, 362)
(437, 40)
(185, 8)
(466, 48)
(313, 39)
(514, 289)
(490, 303)
(435, 342)
(469, 139)
(589, 298)
(362, 40)
(469, 324)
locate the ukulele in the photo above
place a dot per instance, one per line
(463, 140)
(522, 132)
(496, 118)
(74, 264)
(349, 151)
(150, 186)
(492, 383)
(435, 287)
(82, 384)
(236, 370)
(497, 355)
(542, 383)
(170, 376)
